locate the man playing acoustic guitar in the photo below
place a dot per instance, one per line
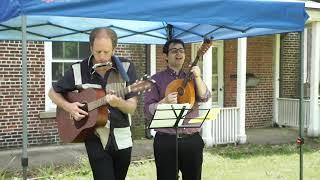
(108, 147)
(191, 145)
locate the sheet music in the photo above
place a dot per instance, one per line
(165, 116)
(212, 115)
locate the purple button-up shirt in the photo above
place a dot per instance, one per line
(157, 93)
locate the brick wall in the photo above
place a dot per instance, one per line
(259, 100)
(259, 62)
(161, 64)
(230, 68)
(289, 65)
(43, 131)
(137, 54)
(40, 131)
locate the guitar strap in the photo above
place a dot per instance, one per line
(122, 68)
(115, 80)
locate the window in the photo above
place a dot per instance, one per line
(64, 54)
(58, 57)
(215, 72)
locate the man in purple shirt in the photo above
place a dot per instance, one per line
(190, 143)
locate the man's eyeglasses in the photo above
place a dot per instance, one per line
(176, 51)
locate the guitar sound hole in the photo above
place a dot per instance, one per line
(180, 91)
(82, 122)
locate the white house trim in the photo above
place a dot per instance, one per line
(153, 70)
(313, 11)
(153, 59)
(312, 4)
(49, 105)
(220, 46)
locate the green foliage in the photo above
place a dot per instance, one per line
(2, 175)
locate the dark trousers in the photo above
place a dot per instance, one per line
(107, 164)
(190, 156)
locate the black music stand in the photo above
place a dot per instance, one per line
(174, 116)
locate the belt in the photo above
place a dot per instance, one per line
(180, 136)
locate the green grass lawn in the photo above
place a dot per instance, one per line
(260, 162)
(222, 162)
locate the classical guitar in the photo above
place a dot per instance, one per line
(185, 87)
(96, 106)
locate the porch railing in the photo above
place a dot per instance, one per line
(224, 129)
(289, 112)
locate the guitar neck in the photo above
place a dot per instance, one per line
(204, 47)
(188, 76)
(102, 101)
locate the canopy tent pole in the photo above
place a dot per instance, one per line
(24, 158)
(169, 31)
(300, 139)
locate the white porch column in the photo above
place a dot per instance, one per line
(314, 127)
(153, 59)
(207, 133)
(276, 75)
(153, 70)
(241, 87)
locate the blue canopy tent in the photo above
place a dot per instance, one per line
(147, 21)
(143, 21)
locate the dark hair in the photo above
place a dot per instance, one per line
(165, 48)
(109, 32)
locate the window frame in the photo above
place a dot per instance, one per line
(49, 105)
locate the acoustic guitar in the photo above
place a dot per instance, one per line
(96, 106)
(185, 87)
